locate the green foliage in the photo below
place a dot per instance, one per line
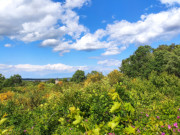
(2, 79)
(79, 76)
(115, 77)
(93, 73)
(112, 104)
(14, 80)
(145, 59)
(136, 64)
(93, 77)
(51, 81)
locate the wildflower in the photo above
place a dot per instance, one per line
(147, 115)
(179, 130)
(169, 126)
(111, 133)
(138, 130)
(141, 112)
(179, 109)
(162, 126)
(178, 117)
(86, 120)
(25, 131)
(162, 133)
(175, 124)
(158, 117)
(70, 128)
(32, 127)
(174, 130)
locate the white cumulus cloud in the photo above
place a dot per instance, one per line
(76, 3)
(57, 25)
(119, 35)
(40, 69)
(170, 2)
(110, 62)
(32, 20)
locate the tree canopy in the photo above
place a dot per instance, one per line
(78, 76)
(146, 59)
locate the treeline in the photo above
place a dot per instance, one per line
(141, 64)
(143, 97)
(15, 80)
(144, 62)
(147, 59)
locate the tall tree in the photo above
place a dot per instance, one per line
(78, 76)
(2, 79)
(138, 64)
(146, 59)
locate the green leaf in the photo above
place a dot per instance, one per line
(4, 131)
(128, 107)
(113, 124)
(78, 119)
(96, 131)
(115, 107)
(130, 130)
(2, 120)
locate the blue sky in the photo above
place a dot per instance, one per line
(54, 38)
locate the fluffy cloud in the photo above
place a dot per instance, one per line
(76, 3)
(49, 69)
(170, 2)
(41, 69)
(51, 22)
(150, 28)
(111, 62)
(87, 42)
(119, 35)
(7, 45)
(50, 42)
(153, 27)
(31, 20)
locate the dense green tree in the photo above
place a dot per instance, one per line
(78, 76)
(167, 58)
(138, 64)
(2, 79)
(65, 79)
(14, 80)
(51, 81)
(93, 73)
(146, 59)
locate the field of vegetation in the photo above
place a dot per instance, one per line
(141, 98)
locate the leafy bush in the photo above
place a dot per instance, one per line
(115, 77)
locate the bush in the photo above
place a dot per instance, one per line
(92, 78)
(115, 77)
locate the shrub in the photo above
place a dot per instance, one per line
(115, 77)
(92, 78)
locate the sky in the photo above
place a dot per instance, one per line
(54, 38)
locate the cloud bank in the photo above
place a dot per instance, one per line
(170, 2)
(40, 69)
(111, 62)
(57, 25)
